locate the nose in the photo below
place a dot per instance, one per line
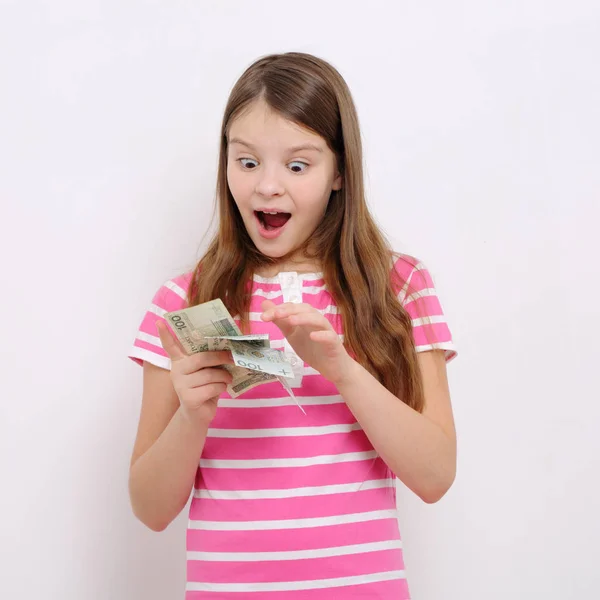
(268, 184)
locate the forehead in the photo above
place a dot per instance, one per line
(261, 126)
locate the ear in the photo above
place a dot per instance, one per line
(337, 183)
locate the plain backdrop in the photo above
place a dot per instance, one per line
(481, 130)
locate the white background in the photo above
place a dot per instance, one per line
(481, 128)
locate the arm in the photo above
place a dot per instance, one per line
(166, 453)
(177, 408)
(420, 449)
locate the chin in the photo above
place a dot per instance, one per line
(271, 252)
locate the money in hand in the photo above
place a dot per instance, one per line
(209, 326)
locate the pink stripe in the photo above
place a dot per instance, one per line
(168, 299)
(267, 287)
(314, 281)
(291, 477)
(282, 416)
(427, 306)
(321, 300)
(403, 267)
(295, 570)
(183, 281)
(258, 326)
(307, 507)
(384, 590)
(312, 385)
(256, 301)
(148, 324)
(286, 447)
(150, 347)
(420, 280)
(431, 334)
(379, 530)
(319, 294)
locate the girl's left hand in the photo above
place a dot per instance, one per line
(311, 336)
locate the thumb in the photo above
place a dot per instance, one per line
(171, 345)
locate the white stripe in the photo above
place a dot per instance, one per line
(295, 554)
(421, 294)
(277, 344)
(429, 320)
(286, 401)
(177, 289)
(375, 515)
(151, 339)
(157, 310)
(151, 357)
(301, 276)
(402, 293)
(303, 492)
(449, 347)
(282, 431)
(282, 586)
(332, 309)
(311, 290)
(268, 295)
(261, 463)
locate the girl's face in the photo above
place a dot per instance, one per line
(276, 166)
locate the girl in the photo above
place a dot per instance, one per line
(285, 504)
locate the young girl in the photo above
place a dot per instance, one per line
(285, 504)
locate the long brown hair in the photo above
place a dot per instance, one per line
(356, 259)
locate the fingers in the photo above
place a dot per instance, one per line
(307, 319)
(170, 344)
(204, 360)
(274, 312)
(205, 377)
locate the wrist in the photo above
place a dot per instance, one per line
(348, 374)
(195, 421)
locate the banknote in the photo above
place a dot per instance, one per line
(209, 326)
(250, 355)
(259, 340)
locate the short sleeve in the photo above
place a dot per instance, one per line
(147, 346)
(416, 291)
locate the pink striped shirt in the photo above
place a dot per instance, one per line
(292, 505)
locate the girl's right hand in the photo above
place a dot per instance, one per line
(197, 381)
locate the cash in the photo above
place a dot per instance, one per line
(209, 326)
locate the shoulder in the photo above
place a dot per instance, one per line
(415, 289)
(172, 294)
(409, 275)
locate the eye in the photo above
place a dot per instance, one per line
(248, 163)
(297, 166)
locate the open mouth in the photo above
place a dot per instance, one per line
(272, 221)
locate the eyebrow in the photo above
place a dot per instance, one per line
(291, 150)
